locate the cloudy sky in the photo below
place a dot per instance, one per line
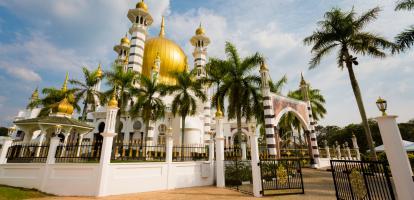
(39, 42)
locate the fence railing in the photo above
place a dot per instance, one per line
(232, 153)
(20, 152)
(136, 151)
(194, 152)
(85, 152)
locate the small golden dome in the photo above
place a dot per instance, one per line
(113, 103)
(125, 41)
(64, 107)
(219, 113)
(99, 71)
(200, 30)
(142, 5)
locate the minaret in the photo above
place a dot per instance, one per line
(141, 20)
(268, 111)
(122, 49)
(200, 42)
(311, 132)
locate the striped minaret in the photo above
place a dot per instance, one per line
(141, 20)
(200, 42)
(312, 135)
(268, 111)
(122, 49)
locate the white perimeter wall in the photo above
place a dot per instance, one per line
(82, 179)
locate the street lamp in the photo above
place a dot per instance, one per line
(382, 105)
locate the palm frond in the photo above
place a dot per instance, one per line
(405, 5)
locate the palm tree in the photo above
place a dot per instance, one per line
(186, 92)
(123, 82)
(405, 39)
(344, 30)
(149, 104)
(239, 85)
(214, 76)
(86, 90)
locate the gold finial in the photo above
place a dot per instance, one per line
(219, 113)
(99, 71)
(64, 107)
(113, 103)
(200, 30)
(302, 80)
(162, 30)
(65, 83)
(263, 66)
(142, 5)
(35, 94)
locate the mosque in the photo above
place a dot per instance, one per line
(140, 52)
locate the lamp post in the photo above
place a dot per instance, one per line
(396, 154)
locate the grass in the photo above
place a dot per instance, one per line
(11, 193)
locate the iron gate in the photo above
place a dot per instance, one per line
(281, 176)
(238, 175)
(361, 180)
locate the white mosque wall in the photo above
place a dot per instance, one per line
(79, 179)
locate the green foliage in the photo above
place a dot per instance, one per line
(4, 131)
(237, 172)
(13, 193)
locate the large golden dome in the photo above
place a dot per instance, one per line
(171, 55)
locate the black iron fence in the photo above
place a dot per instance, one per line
(27, 152)
(281, 176)
(238, 175)
(190, 152)
(137, 151)
(362, 180)
(85, 152)
(232, 153)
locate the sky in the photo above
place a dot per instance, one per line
(40, 42)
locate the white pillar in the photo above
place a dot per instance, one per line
(328, 154)
(54, 143)
(256, 174)
(78, 150)
(169, 148)
(219, 152)
(7, 142)
(169, 155)
(211, 149)
(338, 151)
(355, 147)
(397, 157)
(243, 151)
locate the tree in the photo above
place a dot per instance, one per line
(240, 86)
(149, 104)
(405, 39)
(186, 92)
(86, 89)
(123, 82)
(344, 30)
(316, 99)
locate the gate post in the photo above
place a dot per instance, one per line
(355, 146)
(256, 173)
(219, 148)
(397, 156)
(7, 142)
(243, 151)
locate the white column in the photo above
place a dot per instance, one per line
(348, 152)
(256, 174)
(328, 154)
(7, 142)
(79, 145)
(219, 153)
(338, 151)
(41, 141)
(169, 151)
(211, 149)
(243, 150)
(54, 143)
(397, 157)
(355, 147)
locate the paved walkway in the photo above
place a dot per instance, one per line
(318, 185)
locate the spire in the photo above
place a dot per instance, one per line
(35, 95)
(263, 66)
(162, 30)
(99, 71)
(65, 83)
(302, 80)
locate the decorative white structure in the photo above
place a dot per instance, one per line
(219, 148)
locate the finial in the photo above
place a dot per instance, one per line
(113, 103)
(35, 94)
(162, 30)
(99, 72)
(302, 80)
(142, 5)
(65, 83)
(200, 30)
(263, 66)
(219, 113)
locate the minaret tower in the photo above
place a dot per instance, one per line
(200, 42)
(311, 132)
(141, 20)
(122, 49)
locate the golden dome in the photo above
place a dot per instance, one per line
(125, 41)
(200, 30)
(64, 107)
(171, 55)
(99, 71)
(113, 103)
(142, 5)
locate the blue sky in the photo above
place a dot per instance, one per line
(40, 42)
